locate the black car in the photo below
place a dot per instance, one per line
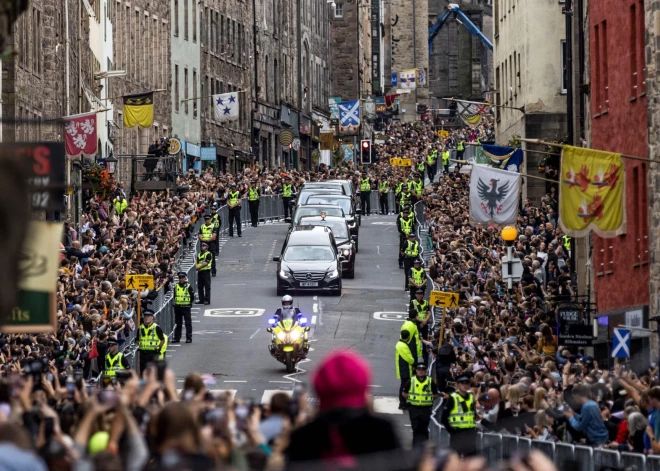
(346, 203)
(310, 261)
(314, 210)
(343, 239)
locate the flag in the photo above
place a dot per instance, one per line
(349, 115)
(80, 135)
(226, 106)
(389, 99)
(494, 195)
(507, 158)
(470, 113)
(591, 192)
(408, 78)
(139, 110)
(421, 77)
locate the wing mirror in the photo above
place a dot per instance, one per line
(269, 329)
(354, 238)
(276, 259)
(287, 220)
(358, 211)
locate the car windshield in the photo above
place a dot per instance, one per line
(338, 228)
(309, 253)
(343, 203)
(305, 211)
(305, 194)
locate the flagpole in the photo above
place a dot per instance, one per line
(553, 144)
(211, 96)
(465, 162)
(524, 150)
(521, 109)
(122, 96)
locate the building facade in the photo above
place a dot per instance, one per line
(529, 74)
(186, 72)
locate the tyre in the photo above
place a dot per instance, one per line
(337, 292)
(288, 362)
(357, 243)
(350, 274)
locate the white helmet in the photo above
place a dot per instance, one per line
(287, 302)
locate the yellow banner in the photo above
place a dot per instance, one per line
(400, 162)
(139, 110)
(443, 133)
(591, 193)
(327, 140)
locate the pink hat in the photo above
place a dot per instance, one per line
(342, 380)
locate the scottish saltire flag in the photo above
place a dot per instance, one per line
(349, 115)
(506, 158)
(226, 106)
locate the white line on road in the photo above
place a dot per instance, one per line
(378, 266)
(255, 333)
(175, 345)
(195, 321)
(378, 248)
(170, 350)
(283, 382)
(374, 386)
(234, 381)
(313, 319)
(315, 298)
(315, 307)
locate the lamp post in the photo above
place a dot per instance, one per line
(111, 164)
(509, 235)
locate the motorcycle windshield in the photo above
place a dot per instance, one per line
(287, 314)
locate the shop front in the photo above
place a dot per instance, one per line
(223, 156)
(305, 143)
(208, 159)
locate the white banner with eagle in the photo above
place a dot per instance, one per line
(494, 195)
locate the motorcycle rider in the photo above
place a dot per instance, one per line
(287, 303)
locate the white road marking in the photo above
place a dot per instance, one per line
(195, 321)
(175, 345)
(234, 381)
(378, 266)
(268, 393)
(255, 333)
(315, 307)
(378, 248)
(386, 405)
(313, 319)
(235, 284)
(170, 350)
(374, 386)
(315, 298)
(283, 382)
(234, 312)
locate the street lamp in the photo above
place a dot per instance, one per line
(111, 163)
(509, 235)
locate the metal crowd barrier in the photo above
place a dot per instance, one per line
(270, 209)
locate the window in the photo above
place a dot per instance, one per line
(194, 90)
(498, 97)
(564, 68)
(194, 20)
(339, 10)
(634, 73)
(185, 89)
(267, 82)
(641, 50)
(176, 17)
(185, 18)
(233, 40)
(606, 104)
(276, 81)
(176, 88)
(37, 41)
(221, 41)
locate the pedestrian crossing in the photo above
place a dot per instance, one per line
(388, 405)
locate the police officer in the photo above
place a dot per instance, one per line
(422, 310)
(403, 359)
(234, 204)
(445, 161)
(417, 188)
(417, 279)
(405, 196)
(410, 253)
(365, 194)
(114, 360)
(383, 191)
(254, 193)
(288, 190)
(152, 342)
(458, 417)
(415, 343)
(405, 223)
(207, 234)
(421, 392)
(120, 204)
(460, 148)
(431, 164)
(421, 166)
(397, 196)
(183, 299)
(203, 267)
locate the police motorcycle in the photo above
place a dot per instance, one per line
(290, 335)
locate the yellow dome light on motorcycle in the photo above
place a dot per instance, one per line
(294, 335)
(281, 336)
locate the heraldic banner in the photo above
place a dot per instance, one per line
(591, 193)
(494, 195)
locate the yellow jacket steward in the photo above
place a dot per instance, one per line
(414, 344)
(445, 158)
(420, 393)
(403, 360)
(182, 295)
(420, 308)
(205, 257)
(254, 194)
(120, 206)
(461, 416)
(412, 249)
(234, 197)
(112, 364)
(419, 186)
(365, 184)
(206, 232)
(287, 191)
(405, 196)
(384, 187)
(149, 341)
(407, 225)
(418, 276)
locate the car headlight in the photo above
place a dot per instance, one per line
(294, 335)
(281, 336)
(333, 274)
(284, 274)
(346, 252)
(351, 224)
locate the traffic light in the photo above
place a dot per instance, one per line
(365, 151)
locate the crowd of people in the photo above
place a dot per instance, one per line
(496, 357)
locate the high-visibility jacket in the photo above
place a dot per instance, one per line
(403, 360)
(384, 187)
(398, 188)
(566, 242)
(182, 295)
(414, 344)
(215, 220)
(253, 194)
(461, 416)
(233, 197)
(412, 249)
(420, 308)
(419, 187)
(287, 191)
(431, 158)
(206, 231)
(460, 146)
(205, 257)
(418, 276)
(445, 157)
(112, 364)
(365, 185)
(405, 196)
(120, 206)
(420, 392)
(407, 224)
(149, 341)
(421, 166)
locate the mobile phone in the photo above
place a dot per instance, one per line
(108, 397)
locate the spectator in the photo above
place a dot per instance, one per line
(588, 420)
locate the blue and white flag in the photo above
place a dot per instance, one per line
(226, 106)
(349, 115)
(506, 158)
(395, 79)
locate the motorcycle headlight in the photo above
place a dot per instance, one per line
(346, 253)
(281, 335)
(294, 335)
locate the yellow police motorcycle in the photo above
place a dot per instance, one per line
(290, 341)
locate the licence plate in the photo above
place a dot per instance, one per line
(309, 283)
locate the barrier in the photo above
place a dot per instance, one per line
(583, 456)
(606, 458)
(548, 448)
(633, 461)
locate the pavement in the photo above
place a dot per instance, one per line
(230, 338)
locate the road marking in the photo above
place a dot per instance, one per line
(170, 350)
(269, 393)
(255, 333)
(390, 316)
(284, 382)
(175, 345)
(315, 308)
(195, 321)
(386, 405)
(313, 319)
(378, 266)
(378, 248)
(315, 298)
(217, 391)
(234, 312)
(374, 386)
(234, 381)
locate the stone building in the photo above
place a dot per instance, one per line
(226, 66)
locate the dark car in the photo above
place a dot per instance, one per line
(315, 210)
(346, 203)
(305, 193)
(310, 261)
(343, 239)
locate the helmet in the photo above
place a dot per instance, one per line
(287, 302)
(417, 260)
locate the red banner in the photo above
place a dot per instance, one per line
(80, 135)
